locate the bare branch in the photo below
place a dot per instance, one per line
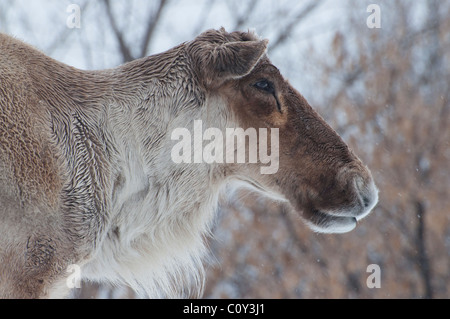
(287, 30)
(245, 17)
(124, 49)
(154, 19)
(423, 260)
(204, 14)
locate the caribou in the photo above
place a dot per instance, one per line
(87, 177)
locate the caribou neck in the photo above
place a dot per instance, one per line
(140, 119)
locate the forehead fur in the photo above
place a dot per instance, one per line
(222, 36)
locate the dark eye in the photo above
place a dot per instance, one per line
(264, 85)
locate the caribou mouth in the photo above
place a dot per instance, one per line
(326, 223)
(344, 219)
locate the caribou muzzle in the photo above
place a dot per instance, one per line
(361, 196)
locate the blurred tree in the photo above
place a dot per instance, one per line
(398, 77)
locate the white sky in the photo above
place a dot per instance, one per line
(39, 22)
(42, 23)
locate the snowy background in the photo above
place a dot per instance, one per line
(385, 90)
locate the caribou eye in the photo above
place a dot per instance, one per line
(265, 85)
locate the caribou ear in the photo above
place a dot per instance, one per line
(233, 60)
(237, 59)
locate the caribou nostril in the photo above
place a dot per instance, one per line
(366, 201)
(367, 191)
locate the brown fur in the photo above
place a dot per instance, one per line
(85, 176)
